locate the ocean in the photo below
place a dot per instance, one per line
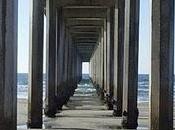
(143, 87)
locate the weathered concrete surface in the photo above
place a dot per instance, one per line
(162, 72)
(119, 19)
(50, 106)
(130, 75)
(110, 57)
(8, 64)
(35, 99)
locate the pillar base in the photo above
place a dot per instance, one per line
(109, 102)
(50, 113)
(131, 123)
(117, 111)
(102, 95)
(34, 125)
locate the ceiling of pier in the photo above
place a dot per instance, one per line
(85, 25)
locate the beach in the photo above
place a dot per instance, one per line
(86, 109)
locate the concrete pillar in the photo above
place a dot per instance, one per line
(162, 66)
(65, 66)
(105, 56)
(50, 108)
(102, 64)
(130, 76)
(70, 60)
(110, 56)
(59, 50)
(8, 64)
(35, 99)
(118, 56)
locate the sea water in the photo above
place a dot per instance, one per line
(85, 89)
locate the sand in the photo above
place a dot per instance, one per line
(83, 113)
(22, 112)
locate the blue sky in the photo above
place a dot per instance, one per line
(144, 40)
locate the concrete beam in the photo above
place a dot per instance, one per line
(8, 64)
(130, 81)
(50, 108)
(84, 13)
(162, 66)
(85, 35)
(86, 3)
(35, 99)
(73, 22)
(85, 19)
(85, 28)
(86, 7)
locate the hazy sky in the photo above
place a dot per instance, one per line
(144, 40)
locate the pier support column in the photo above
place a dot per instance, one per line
(130, 81)
(118, 56)
(162, 65)
(8, 64)
(110, 57)
(102, 64)
(50, 108)
(35, 99)
(105, 57)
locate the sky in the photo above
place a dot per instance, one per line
(144, 38)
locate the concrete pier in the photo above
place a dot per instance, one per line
(162, 67)
(8, 64)
(35, 98)
(104, 33)
(50, 106)
(130, 75)
(110, 57)
(119, 18)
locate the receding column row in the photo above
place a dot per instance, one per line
(162, 63)
(63, 69)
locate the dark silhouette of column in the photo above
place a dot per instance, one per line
(35, 99)
(130, 75)
(8, 64)
(50, 108)
(162, 66)
(118, 56)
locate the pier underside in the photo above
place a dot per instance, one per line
(104, 33)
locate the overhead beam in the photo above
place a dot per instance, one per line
(70, 22)
(84, 13)
(87, 7)
(86, 3)
(86, 34)
(84, 19)
(85, 28)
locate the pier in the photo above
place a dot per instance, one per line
(104, 33)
